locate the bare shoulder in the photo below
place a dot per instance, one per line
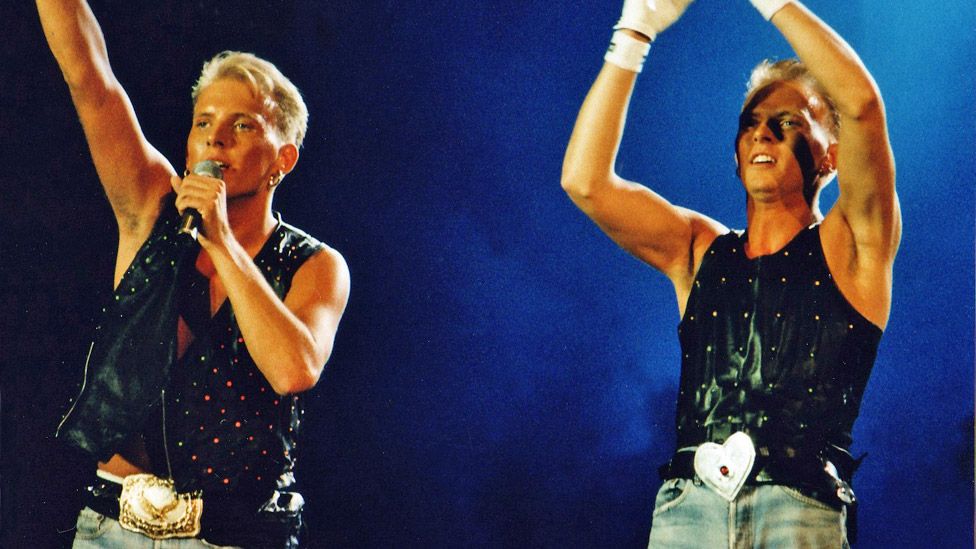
(137, 211)
(322, 280)
(135, 226)
(863, 273)
(704, 231)
(133, 173)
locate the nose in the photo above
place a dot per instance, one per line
(768, 131)
(219, 137)
(762, 133)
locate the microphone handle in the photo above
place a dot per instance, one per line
(190, 220)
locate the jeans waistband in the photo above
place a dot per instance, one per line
(804, 472)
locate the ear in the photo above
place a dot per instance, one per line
(828, 164)
(287, 158)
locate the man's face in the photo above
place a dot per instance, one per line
(233, 126)
(782, 143)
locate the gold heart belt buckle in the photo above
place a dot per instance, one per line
(151, 506)
(724, 468)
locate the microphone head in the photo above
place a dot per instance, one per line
(209, 168)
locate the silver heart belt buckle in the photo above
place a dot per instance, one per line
(724, 468)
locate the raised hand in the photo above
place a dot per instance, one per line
(768, 7)
(650, 17)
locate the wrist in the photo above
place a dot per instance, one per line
(219, 242)
(769, 7)
(628, 50)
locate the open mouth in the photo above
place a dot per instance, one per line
(763, 159)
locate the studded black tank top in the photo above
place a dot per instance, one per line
(771, 347)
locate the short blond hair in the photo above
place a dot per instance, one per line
(770, 72)
(283, 98)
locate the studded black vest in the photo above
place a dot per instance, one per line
(227, 430)
(133, 345)
(210, 420)
(771, 347)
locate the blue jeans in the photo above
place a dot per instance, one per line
(96, 531)
(689, 515)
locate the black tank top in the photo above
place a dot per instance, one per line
(771, 347)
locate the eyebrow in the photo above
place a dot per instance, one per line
(209, 114)
(751, 114)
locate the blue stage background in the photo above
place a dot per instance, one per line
(504, 375)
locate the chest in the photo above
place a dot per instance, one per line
(205, 293)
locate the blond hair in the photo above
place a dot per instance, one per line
(290, 115)
(770, 72)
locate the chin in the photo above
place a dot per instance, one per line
(760, 184)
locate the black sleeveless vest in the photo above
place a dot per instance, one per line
(771, 347)
(132, 380)
(133, 344)
(227, 431)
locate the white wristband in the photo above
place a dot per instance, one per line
(768, 7)
(627, 52)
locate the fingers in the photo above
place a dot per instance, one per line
(650, 17)
(199, 192)
(207, 196)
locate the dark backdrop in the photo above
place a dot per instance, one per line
(504, 376)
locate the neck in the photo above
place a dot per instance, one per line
(771, 226)
(250, 219)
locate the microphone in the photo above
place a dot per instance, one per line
(190, 220)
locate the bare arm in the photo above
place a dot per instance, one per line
(868, 205)
(290, 340)
(862, 231)
(638, 219)
(667, 237)
(134, 174)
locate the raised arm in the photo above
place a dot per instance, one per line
(861, 233)
(134, 174)
(638, 219)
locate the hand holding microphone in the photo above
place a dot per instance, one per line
(190, 220)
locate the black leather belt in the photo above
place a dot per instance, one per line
(802, 472)
(102, 496)
(765, 469)
(219, 523)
